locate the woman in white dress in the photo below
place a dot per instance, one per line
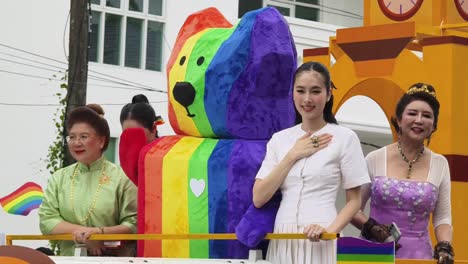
(308, 163)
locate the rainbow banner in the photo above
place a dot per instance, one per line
(355, 250)
(196, 185)
(22, 201)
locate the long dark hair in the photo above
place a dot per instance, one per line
(141, 111)
(320, 68)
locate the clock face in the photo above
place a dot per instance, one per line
(462, 7)
(400, 10)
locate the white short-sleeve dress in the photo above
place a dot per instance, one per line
(310, 189)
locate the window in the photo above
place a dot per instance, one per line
(155, 7)
(154, 46)
(285, 11)
(133, 42)
(304, 9)
(113, 3)
(94, 35)
(308, 13)
(112, 30)
(127, 33)
(135, 5)
(248, 5)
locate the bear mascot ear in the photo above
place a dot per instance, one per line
(132, 141)
(196, 22)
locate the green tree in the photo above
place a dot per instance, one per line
(56, 151)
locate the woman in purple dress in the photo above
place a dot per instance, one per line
(410, 182)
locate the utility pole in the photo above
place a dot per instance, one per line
(77, 63)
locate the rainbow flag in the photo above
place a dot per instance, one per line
(355, 250)
(22, 201)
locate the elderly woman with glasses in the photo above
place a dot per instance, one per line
(92, 196)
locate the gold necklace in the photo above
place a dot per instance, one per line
(410, 162)
(103, 179)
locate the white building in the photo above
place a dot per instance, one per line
(131, 41)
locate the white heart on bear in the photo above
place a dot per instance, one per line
(197, 186)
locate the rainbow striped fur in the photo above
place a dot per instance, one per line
(229, 91)
(202, 185)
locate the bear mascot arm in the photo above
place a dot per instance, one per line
(258, 222)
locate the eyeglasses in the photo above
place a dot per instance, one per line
(83, 138)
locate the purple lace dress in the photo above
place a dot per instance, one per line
(409, 204)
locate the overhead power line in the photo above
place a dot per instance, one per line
(91, 76)
(322, 8)
(31, 53)
(29, 65)
(35, 61)
(94, 84)
(137, 84)
(112, 78)
(56, 105)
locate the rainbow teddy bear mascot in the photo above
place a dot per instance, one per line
(229, 90)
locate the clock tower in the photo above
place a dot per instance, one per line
(400, 10)
(422, 12)
(403, 42)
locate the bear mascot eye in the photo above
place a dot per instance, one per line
(200, 61)
(182, 61)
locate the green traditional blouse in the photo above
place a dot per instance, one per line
(98, 196)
